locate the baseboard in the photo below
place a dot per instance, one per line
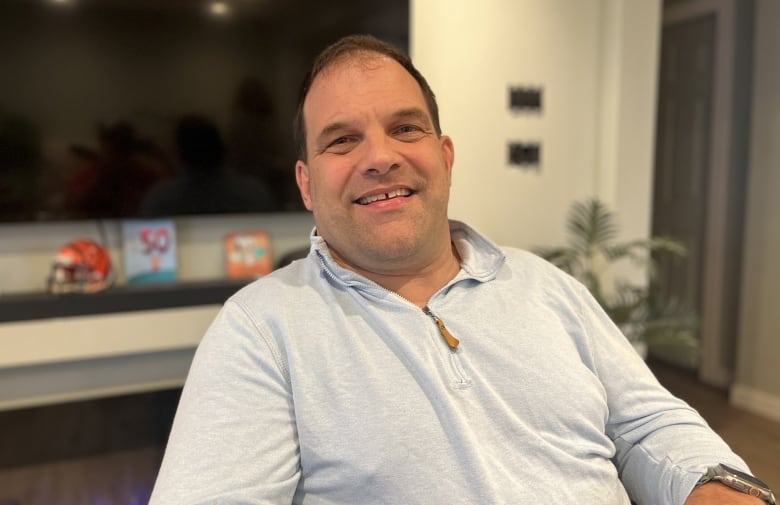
(755, 401)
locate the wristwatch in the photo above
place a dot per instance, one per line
(738, 480)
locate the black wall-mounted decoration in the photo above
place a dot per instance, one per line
(526, 155)
(525, 99)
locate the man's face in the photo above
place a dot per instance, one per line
(377, 177)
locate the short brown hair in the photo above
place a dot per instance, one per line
(345, 47)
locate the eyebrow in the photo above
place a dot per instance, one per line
(331, 129)
(412, 113)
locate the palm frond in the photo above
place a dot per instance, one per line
(590, 225)
(592, 232)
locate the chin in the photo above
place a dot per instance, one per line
(393, 250)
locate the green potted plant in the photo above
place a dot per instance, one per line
(637, 308)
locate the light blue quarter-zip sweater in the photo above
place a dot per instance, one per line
(315, 385)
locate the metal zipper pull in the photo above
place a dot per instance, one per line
(448, 337)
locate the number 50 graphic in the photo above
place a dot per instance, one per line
(150, 250)
(156, 240)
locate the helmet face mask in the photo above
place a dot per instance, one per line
(81, 266)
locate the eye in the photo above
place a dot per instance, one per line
(409, 133)
(341, 145)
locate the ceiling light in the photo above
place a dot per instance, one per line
(219, 9)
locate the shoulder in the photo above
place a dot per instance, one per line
(533, 277)
(525, 262)
(277, 287)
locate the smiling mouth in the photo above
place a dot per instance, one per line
(384, 196)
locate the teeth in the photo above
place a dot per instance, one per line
(384, 196)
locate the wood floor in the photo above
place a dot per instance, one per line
(108, 451)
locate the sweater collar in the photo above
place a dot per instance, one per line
(481, 259)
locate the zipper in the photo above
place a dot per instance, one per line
(449, 338)
(461, 380)
(445, 333)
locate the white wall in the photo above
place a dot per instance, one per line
(596, 61)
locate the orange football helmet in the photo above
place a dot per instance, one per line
(81, 266)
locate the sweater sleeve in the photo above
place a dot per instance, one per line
(233, 438)
(663, 446)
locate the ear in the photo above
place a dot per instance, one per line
(447, 153)
(304, 182)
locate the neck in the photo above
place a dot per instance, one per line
(420, 284)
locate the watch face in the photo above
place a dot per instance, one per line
(744, 476)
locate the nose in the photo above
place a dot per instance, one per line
(380, 156)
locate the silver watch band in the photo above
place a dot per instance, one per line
(738, 481)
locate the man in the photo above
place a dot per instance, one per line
(407, 359)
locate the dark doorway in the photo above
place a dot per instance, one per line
(702, 140)
(682, 157)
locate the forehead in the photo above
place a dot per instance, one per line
(361, 81)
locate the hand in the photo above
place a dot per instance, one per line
(715, 493)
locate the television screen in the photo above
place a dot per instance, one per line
(144, 108)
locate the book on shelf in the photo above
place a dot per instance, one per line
(149, 251)
(248, 254)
